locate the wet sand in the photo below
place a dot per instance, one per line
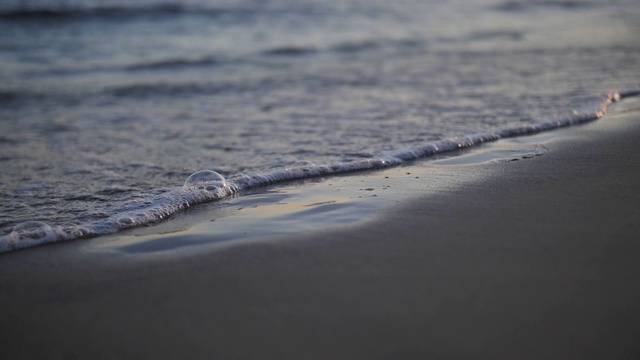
(535, 258)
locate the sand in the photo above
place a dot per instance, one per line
(535, 258)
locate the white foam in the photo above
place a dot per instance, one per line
(207, 185)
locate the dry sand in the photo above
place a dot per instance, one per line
(537, 258)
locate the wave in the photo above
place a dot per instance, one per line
(103, 13)
(151, 65)
(290, 51)
(62, 12)
(206, 185)
(174, 63)
(184, 89)
(142, 91)
(496, 35)
(8, 97)
(210, 60)
(358, 46)
(349, 47)
(518, 6)
(370, 45)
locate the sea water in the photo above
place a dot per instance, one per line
(115, 114)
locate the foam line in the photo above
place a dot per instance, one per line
(206, 185)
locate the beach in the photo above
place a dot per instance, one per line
(534, 258)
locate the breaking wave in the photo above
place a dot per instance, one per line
(207, 185)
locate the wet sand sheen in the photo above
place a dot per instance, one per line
(519, 259)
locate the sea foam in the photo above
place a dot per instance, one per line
(207, 185)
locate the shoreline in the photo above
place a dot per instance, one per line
(177, 200)
(515, 259)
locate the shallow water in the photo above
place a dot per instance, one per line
(106, 108)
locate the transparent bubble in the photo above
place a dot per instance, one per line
(73, 230)
(32, 230)
(304, 165)
(125, 221)
(205, 179)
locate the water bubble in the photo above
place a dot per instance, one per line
(74, 230)
(125, 221)
(32, 230)
(205, 179)
(303, 165)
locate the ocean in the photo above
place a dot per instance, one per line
(116, 114)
